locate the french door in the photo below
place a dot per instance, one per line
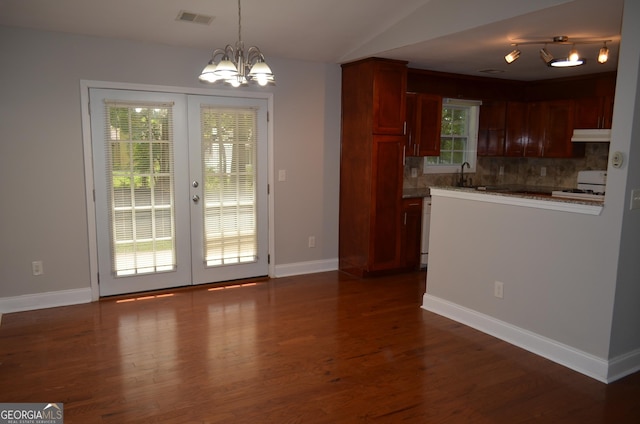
(180, 189)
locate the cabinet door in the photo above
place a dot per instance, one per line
(588, 113)
(412, 119)
(558, 128)
(389, 91)
(385, 212)
(411, 232)
(491, 128)
(607, 112)
(535, 129)
(516, 129)
(429, 121)
(593, 112)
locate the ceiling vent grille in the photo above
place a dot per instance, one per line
(195, 18)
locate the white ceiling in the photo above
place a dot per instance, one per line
(460, 36)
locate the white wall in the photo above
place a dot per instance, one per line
(43, 212)
(571, 281)
(625, 335)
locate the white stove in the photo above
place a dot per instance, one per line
(591, 186)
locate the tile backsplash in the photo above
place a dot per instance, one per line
(561, 173)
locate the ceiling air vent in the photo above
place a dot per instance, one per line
(195, 18)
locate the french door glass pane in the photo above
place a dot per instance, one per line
(228, 167)
(139, 147)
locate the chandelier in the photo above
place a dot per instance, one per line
(572, 59)
(233, 63)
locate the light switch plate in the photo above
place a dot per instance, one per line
(635, 199)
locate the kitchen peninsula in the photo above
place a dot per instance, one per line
(496, 258)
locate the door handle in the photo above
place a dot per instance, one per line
(195, 198)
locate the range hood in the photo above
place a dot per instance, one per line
(594, 135)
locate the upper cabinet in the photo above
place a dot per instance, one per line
(521, 118)
(424, 118)
(550, 130)
(593, 112)
(516, 128)
(389, 91)
(540, 129)
(492, 128)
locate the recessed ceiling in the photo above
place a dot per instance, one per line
(460, 36)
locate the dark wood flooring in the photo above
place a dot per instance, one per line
(319, 348)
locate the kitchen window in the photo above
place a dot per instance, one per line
(458, 137)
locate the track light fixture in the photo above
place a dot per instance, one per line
(572, 59)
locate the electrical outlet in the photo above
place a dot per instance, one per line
(414, 172)
(543, 171)
(282, 175)
(37, 268)
(498, 289)
(501, 170)
(312, 241)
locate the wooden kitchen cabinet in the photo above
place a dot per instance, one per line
(550, 130)
(389, 96)
(411, 233)
(593, 112)
(517, 123)
(424, 119)
(541, 130)
(492, 128)
(372, 166)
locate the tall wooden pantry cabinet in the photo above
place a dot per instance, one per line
(372, 166)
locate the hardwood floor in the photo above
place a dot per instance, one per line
(319, 348)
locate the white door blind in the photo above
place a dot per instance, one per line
(229, 137)
(140, 181)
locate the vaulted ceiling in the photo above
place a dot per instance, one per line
(460, 36)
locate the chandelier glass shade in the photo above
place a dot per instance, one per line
(237, 66)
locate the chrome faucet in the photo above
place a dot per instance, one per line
(462, 179)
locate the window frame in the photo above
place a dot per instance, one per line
(471, 151)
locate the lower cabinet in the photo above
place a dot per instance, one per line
(371, 206)
(411, 233)
(385, 212)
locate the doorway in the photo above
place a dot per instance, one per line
(180, 186)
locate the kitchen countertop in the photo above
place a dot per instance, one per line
(408, 193)
(534, 198)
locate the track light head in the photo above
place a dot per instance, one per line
(573, 54)
(513, 56)
(603, 55)
(545, 55)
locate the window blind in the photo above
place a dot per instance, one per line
(229, 137)
(140, 178)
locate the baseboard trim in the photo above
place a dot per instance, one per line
(582, 362)
(623, 365)
(30, 302)
(299, 268)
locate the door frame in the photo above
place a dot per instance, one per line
(86, 85)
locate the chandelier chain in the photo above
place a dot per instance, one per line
(239, 23)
